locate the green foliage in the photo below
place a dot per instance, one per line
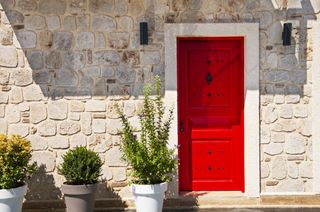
(81, 166)
(15, 155)
(151, 160)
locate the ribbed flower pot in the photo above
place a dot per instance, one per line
(79, 198)
(149, 198)
(11, 199)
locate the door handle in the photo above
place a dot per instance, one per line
(181, 126)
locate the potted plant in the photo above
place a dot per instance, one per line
(81, 168)
(15, 168)
(148, 154)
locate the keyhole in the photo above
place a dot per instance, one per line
(209, 78)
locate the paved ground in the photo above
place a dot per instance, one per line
(231, 210)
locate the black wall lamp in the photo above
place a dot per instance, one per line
(143, 33)
(286, 34)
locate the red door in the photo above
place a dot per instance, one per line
(210, 112)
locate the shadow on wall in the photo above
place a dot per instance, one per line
(42, 186)
(80, 57)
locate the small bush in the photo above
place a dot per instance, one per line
(151, 160)
(15, 155)
(81, 166)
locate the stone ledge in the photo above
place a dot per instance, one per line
(211, 202)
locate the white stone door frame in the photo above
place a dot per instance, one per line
(250, 32)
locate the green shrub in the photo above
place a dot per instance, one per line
(15, 155)
(151, 160)
(81, 166)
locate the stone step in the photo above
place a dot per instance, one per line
(215, 202)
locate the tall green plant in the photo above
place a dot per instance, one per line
(81, 166)
(15, 155)
(151, 160)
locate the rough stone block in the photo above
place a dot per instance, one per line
(270, 114)
(6, 36)
(279, 168)
(125, 75)
(8, 56)
(53, 60)
(99, 126)
(12, 114)
(118, 40)
(21, 77)
(38, 112)
(78, 140)
(4, 97)
(100, 40)
(290, 186)
(295, 144)
(265, 170)
(47, 128)
(47, 159)
(85, 40)
(27, 39)
(278, 137)
(63, 40)
(106, 58)
(58, 142)
(57, 110)
(286, 112)
(301, 111)
(33, 93)
(86, 121)
(120, 174)
(34, 22)
(95, 106)
(74, 116)
(37, 142)
(114, 126)
(150, 58)
(77, 6)
(27, 5)
(103, 23)
(69, 128)
(14, 18)
(131, 58)
(74, 60)
(306, 169)
(106, 173)
(53, 22)
(113, 157)
(101, 6)
(99, 143)
(66, 77)
(35, 59)
(273, 148)
(125, 23)
(293, 170)
(52, 6)
(46, 39)
(76, 106)
(18, 129)
(69, 23)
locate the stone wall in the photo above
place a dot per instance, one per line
(64, 64)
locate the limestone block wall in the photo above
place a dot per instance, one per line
(65, 63)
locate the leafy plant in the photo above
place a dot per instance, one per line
(81, 166)
(151, 160)
(15, 155)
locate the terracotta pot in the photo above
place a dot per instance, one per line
(11, 199)
(149, 198)
(79, 198)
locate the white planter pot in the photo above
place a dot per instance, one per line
(149, 198)
(11, 199)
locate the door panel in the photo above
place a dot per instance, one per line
(210, 112)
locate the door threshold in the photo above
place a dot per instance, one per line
(212, 194)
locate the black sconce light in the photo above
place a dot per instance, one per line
(286, 34)
(143, 33)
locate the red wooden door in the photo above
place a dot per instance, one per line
(210, 113)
